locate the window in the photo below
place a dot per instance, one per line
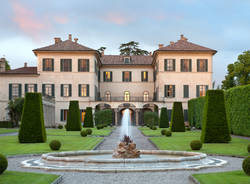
(48, 89)
(48, 64)
(83, 65)
(185, 91)
(126, 60)
(82, 113)
(201, 65)
(83, 90)
(145, 96)
(186, 65)
(201, 90)
(30, 88)
(126, 76)
(169, 64)
(170, 91)
(107, 76)
(15, 91)
(144, 76)
(108, 96)
(66, 65)
(66, 90)
(126, 96)
(64, 114)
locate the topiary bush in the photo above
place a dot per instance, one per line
(100, 126)
(248, 148)
(246, 165)
(60, 127)
(32, 128)
(163, 132)
(168, 133)
(84, 133)
(55, 145)
(177, 118)
(73, 119)
(88, 119)
(3, 163)
(150, 118)
(196, 145)
(163, 122)
(154, 128)
(104, 117)
(89, 131)
(195, 112)
(214, 125)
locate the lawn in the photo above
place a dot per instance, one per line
(10, 177)
(232, 177)
(181, 141)
(8, 130)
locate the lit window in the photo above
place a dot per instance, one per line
(144, 76)
(64, 114)
(145, 96)
(48, 89)
(170, 91)
(202, 90)
(126, 76)
(83, 90)
(66, 90)
(107, 76)
(126, 96)
(31, 88)
(108, 96)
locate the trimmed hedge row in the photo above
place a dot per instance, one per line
(195, 112)
(88, 119)
(104, 117)
(6, 124)
(177, 118)
(163, 123)
(74, 119)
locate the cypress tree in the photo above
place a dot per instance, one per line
(88, 119)
(164, 118)
(177, 118)
(73, 118)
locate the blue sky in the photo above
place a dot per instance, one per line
(223, 25)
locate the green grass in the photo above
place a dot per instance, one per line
(10, 177)
(232, 177)
(7, 130)
(63, 132)
(148, 132)
(181, 140)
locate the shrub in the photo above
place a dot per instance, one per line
(246, 165)
(163, 122)
(163, 132)
(89, 131)
(3, 163)
(6, 124)
(88, 119)
(55, 145)
(237, 106)
(177, 118)
(60, 126)
(99, 126)
(214, 125)
(154, 128)
(196, 145)
(150, 118)
(104, 117)
(73, 119)
(248, 148)
(168, 133)
(32, 128)
(188, 128)
(84, 133)
(195, 111)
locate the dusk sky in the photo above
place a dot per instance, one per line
(223, 25)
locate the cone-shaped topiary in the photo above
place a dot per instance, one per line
(3, 163)
(73, 120)
(32, 128)
(177, 118)
(246, 165)
(164, 118)
(214, 124)
(88, 119)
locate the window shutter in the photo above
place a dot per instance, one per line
(198, 65)
(190, 65)
(10, 91)
(26, 88)
(182, 65)
(104, 77)
(61, 66)
(61, 114)
(111, 77)
(62, 90)
(142, 76)
(20, 90)
(79, 64)
(123, 76)
(186, 91)
(173, 64)
(70, 64)
(43, 89)
(165, 90)
(87, 89)
(197, 91)
(165, 64)
(79, 90)
(147, 76)
(53, 89)
(99, 76)
(43, 64)
(206, 88)
(35, 86)
(70, 90)
(87, 65)
(130, 76)
(52, 65)
(173, 90)
(206, 65)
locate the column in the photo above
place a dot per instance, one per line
(116, 117)
(137, 117)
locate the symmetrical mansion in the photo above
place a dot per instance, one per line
(68, 71)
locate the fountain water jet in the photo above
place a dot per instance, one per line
(126, 124)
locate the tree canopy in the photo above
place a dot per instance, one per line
(131, 49)
(101, 49)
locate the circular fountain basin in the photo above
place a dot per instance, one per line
(102, 161)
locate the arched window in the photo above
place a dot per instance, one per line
(126, 96)
(108, 96)
(145, 96)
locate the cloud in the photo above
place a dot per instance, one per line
(117, 18)
(61, 19)
(27, 22)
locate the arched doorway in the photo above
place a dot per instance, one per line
(131, 108)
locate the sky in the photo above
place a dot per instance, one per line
(223, 25)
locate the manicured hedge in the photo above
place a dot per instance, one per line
(238, 109)
(6, 124)
(215, 127)
(195, 112)
(104, 117)
(32, 128)
(177, 118)
(163, 122)
(73, 119)
(88, 119)
(150, 118)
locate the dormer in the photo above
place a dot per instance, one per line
(127, 60)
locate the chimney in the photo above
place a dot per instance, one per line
(76, 39)
(70, 36)
(102, 53)
(160, 46)
(2, 64)
(183, 38)
(25, 64)
(57, 40)
(171, 43)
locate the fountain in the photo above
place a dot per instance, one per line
(125, 158)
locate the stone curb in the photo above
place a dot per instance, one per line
(57, 180)
(25, 155)
(153, 144)
(195, 181)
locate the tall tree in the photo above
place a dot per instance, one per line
(229, 81)
(131, 48)
(7, 66)
(15, 108)
(101, 49)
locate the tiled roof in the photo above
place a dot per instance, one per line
(67, 45)
(23, 70)
(118, 60)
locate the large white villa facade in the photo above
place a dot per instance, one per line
(68, 71)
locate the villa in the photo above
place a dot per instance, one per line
(67, 70)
